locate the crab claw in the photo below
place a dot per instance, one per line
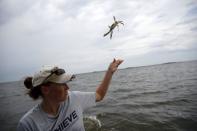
(111, 34)
(121, 22)
(114, 18)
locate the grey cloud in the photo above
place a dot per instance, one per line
(187, 21)
(192, 11)
(71, 9)
(194, 29)
(190, 16)
(35, 33)
(11, 9)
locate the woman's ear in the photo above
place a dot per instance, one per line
(45, 90)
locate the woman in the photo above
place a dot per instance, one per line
(60, 109)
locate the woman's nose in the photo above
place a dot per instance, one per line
(66, 87)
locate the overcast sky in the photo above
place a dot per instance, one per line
(69, 33)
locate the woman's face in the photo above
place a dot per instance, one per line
(58, 92)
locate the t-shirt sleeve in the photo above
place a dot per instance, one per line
(86, 99)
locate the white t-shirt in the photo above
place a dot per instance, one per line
(69, 118)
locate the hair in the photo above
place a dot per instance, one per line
(33, 92)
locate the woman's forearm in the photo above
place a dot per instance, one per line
(103, 87)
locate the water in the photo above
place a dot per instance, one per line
(152, 98)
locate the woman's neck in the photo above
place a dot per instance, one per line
(50, 107)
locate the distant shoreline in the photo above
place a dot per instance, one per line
(141, 66)
(119, 69)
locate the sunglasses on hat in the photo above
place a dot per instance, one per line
(56, 71)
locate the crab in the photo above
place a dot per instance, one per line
(113, 26)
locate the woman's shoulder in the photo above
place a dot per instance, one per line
(30, 115)
(74, 93)
(27, 122)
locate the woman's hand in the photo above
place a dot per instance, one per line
(103, 87)
(114, 65)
